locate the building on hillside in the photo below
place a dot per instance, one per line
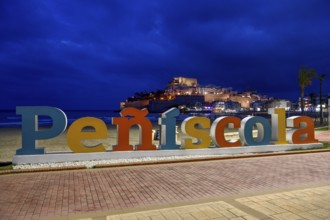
(188, 94)
(183, 81)
(180, 101)
(226, 107)
(280, 103)
(259, 106)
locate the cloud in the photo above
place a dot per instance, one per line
(110, 49)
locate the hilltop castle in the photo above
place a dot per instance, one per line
(187, 94)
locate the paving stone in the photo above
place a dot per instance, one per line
(187, 216)
(237, 212)
(307, 215)
(272, 207)
(60, 194)
(297, 207)
(287, 216)
(249, 217)
(128, 217)
(209, 212)
(199, 212)
(322, 213)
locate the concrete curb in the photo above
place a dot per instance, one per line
(269, 154)
(112, 155)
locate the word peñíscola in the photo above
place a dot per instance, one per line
(279, 130)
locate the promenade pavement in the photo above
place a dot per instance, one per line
(309, 203)
(279, 187)
(323, 136)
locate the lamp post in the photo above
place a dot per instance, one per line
(328, 114)
(321, 78)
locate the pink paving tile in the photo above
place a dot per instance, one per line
(66, 192)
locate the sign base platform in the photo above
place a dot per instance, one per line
(111, 155)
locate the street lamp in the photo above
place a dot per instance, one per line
(321, 78)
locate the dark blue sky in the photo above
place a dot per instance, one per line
(94, 54)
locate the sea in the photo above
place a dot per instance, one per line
(9, 118)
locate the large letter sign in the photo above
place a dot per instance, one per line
(198, 131)
(263, 128)
(30, 130)
(218, 131)
(189, 128)
(278, 125)
(76, 135)
(168, 129)
(303, 130)
(124, 124)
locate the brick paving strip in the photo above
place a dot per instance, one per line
(323, 136)
(69, 193)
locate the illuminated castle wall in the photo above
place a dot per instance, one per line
(183, 91)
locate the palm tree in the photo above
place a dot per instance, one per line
(321, 78)
(305, 77)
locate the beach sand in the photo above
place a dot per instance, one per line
(11, 140)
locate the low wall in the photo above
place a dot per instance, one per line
(70, 157)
